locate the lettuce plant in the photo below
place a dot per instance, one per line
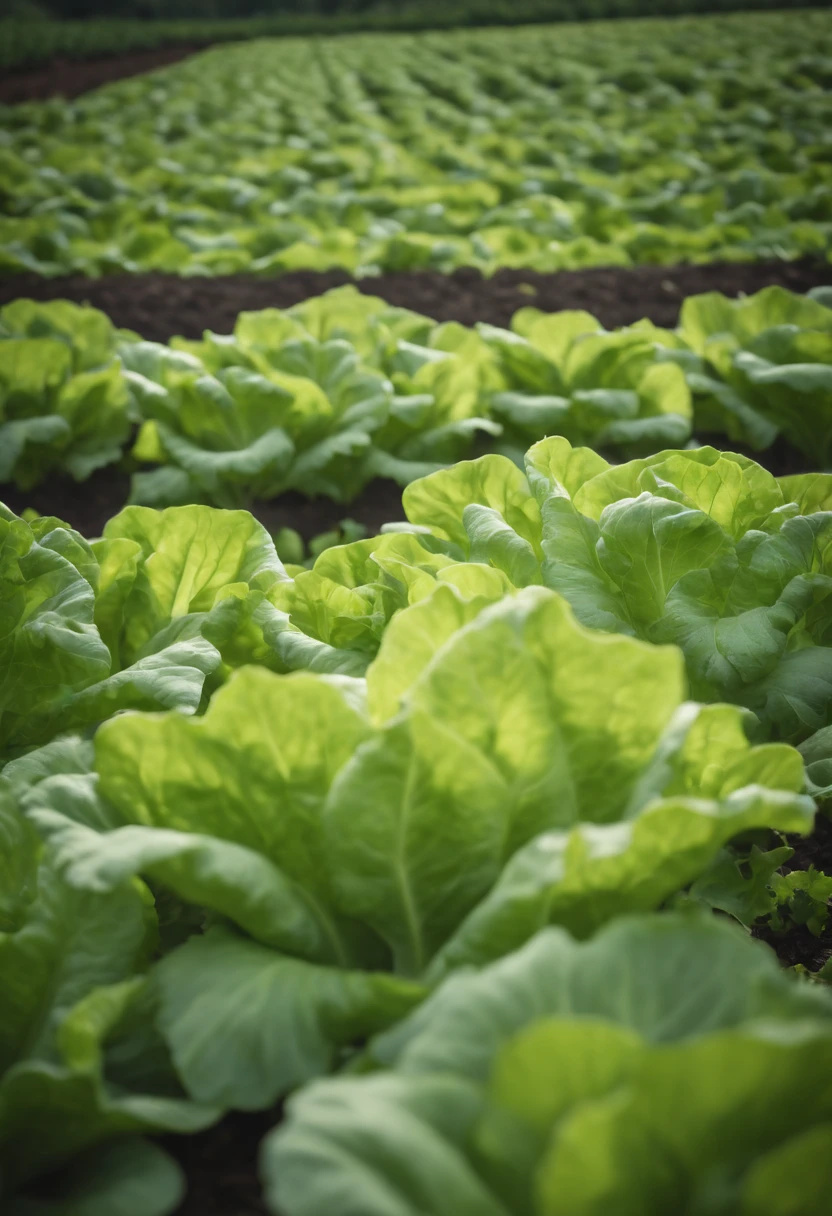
(62, 667)
(320, 398)
(299, 416)
(325, 396)
(156, 614)
(63, 401)
(536, 772)
(160, 610)
(197, 572)
(563, 374)
(366, 322)
(82, 1072)
(699, 548)
(640, 1071)
(760, 366)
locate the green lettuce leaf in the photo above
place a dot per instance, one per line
(127, 1177)
(765, 367)
(77, 1066)
(277, 410)
(503, 1076)
(63, 400)
(698, 548)
(59, 674)
(564, 375)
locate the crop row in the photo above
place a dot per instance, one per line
(343, 388)
(414, 810)
(551, 146)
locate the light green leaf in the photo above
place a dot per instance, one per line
(694, 974)
(794, 1179)
(189, 555)
(345, 1146)
(531, 690)
(269, 746)
(246, 1024)
(632, 1149)
(68, 976)
(438, 501)
(418, 632)
(50, 646)
(415, 825)
(584, 878)
(227, 878)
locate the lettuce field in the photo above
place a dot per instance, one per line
(551, 147)
(468, 852)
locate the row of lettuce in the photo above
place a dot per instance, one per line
(552, 147)
(427, 798)
(344, 388)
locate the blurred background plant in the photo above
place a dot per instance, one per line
(33, 32)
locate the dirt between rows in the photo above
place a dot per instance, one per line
(70, 78)
(158, 306)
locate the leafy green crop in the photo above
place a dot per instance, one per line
(377, 783)
(631, 1073)
(538, 773)
(760, 366)
(276, 407)
(63, 401)
(328, 395)
(756, 887)
(64, 666)
(343, 388)
(564, 375)
(447, 810)
(82, 1072)
(549, 147)
(154, 615)
(698, 548)
(29, 41)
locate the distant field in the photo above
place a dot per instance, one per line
(28, 44)
(556, 147)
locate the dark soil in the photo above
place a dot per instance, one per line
(72, 77)
(88, 506)
(85, 505)
(159, 306)
(221, 1165)
(797, 944)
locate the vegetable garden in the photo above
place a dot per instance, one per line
(479, 863)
